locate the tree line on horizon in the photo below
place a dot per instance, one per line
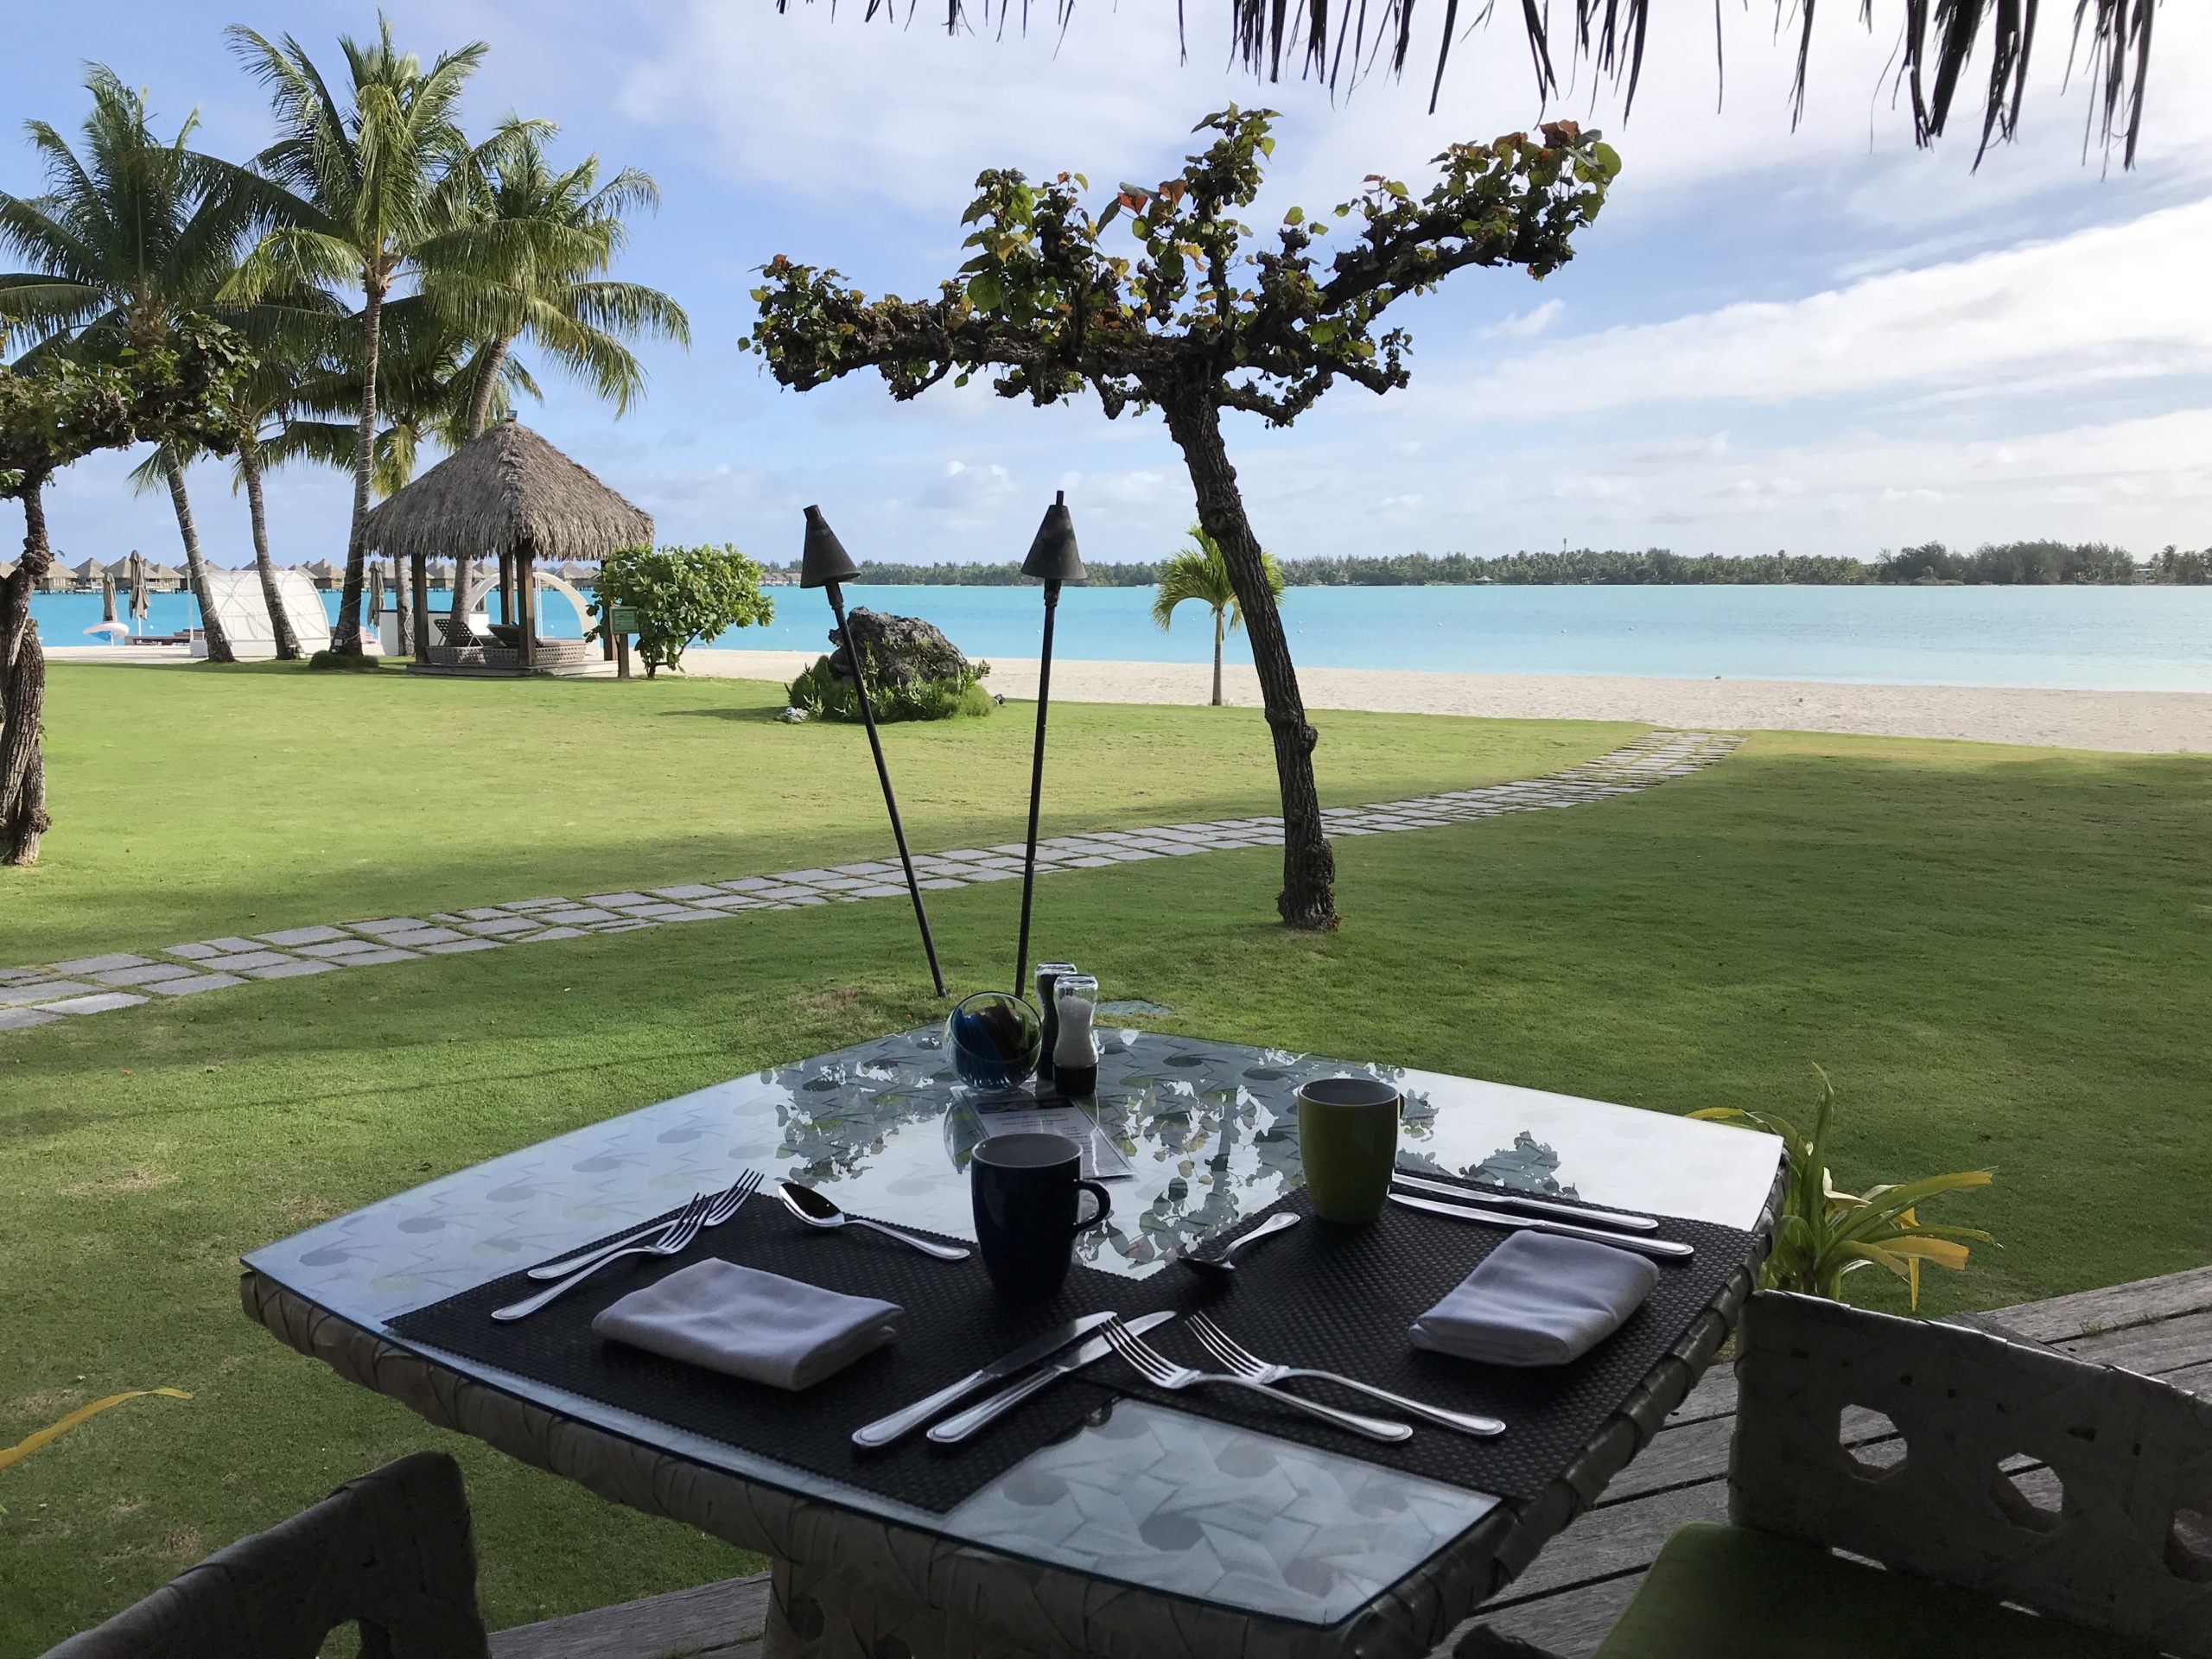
(1930, 563)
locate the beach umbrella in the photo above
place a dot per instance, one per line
(1052, 559)
(107, 597)
(139, 605)
(111, 628)
(375, 593)
(823, 562)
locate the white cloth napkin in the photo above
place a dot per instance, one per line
(758, 1326)
(1537, 1300)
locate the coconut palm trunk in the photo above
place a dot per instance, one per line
(219, 644)
(1220, 627)
(22, 693)
(347, 640)
(288, 642)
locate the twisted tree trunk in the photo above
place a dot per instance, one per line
(22, 693)
(219, 644)
(288, 642)
(1309, 869)
(346, 638)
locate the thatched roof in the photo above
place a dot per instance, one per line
(509, 491)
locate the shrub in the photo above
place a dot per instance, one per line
(824, 695)
(331, 662)
(681, 594)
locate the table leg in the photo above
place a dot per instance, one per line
(817, 1615)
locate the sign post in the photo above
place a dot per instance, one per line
(621, 623)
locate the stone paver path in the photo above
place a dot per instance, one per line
(89, 985)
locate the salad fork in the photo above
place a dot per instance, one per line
(680, 1233)
(1244, 1363)
(1162, 1372)
(720, 1208)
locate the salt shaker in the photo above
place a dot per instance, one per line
(1075, 1050)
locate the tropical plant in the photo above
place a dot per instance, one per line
(559, 299)
(1198, 572)
(680, 594)
(131, 236)
(1195, 324)
(1935, 46)
(1825, 1234)
(825, 694)
(374, 190)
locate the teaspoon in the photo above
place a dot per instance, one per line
(817, 1210)
(1214, 1258)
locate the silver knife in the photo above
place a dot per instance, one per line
(1534, 1206)
(884, 1430)
(1665, 1248)
(955, 1429)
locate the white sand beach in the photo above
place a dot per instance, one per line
(2144, 722)
(2139, 722)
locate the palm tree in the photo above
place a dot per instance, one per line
(129, 238)
(560, 301)
(382, 188)
(1198, 571)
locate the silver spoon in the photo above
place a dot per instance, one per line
(817, 1210)
(1215, 1258)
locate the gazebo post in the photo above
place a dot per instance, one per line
(523, 585)
(507, 610)
(421, 599)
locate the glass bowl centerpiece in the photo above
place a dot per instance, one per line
(994, 1040)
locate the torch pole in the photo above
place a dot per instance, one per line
(883, 774)
(1036, 786)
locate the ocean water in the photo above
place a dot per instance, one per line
(2119, 638)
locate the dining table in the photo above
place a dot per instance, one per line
(1142, 1528)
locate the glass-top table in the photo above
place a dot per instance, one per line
(1186, 1511)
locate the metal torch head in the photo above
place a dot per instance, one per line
(824, 560)
(1052, 557)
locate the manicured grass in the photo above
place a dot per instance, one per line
(197, 801)
(2000, 956)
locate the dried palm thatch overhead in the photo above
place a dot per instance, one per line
(1339, 42)
(506, 492)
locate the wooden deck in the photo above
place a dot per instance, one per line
(1571, 1593)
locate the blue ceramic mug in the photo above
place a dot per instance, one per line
(1027, 1188)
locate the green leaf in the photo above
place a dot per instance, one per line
(1295, 216)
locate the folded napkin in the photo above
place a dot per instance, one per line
(1537, 1300)
(758, 1326)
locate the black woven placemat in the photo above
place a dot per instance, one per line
(1334, 1298)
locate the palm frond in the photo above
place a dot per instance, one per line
(1339, 44)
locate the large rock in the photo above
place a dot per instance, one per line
(900, 649)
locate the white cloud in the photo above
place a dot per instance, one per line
(2125, 299)
(1527, 325)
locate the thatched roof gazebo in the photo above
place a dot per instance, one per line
(511, 493)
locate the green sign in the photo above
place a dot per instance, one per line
(623, 619)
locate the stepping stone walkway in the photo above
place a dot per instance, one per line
(89, 985)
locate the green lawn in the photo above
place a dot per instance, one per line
(2000, 955)
(192, 802)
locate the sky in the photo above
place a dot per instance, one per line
(1823, 340)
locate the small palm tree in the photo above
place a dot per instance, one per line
(1199, 572)
(378, 187)
(132, 238)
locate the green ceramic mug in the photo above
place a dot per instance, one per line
(1348, 1139)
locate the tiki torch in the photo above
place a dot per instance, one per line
(824, 563)
(1052, 559)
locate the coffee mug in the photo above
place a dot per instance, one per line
(1026, 1188)
(1348, 1139)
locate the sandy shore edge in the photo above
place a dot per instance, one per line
(2137, 722)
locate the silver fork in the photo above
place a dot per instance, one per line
(680, 1233)
(1162, 1372)
(1244, 1363)
(723, 1206)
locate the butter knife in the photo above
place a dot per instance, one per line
(1534, 1206)
(1665, 1248)
(953, 1430)
(884, 1430)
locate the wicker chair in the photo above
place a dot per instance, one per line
(2028, 1479)
(390, 1551)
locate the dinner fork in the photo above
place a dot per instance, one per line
(723, 1206)
(1244, 1363)
(1162, 1372)
(680, 1233)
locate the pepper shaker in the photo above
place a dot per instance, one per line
(1048, 1013)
